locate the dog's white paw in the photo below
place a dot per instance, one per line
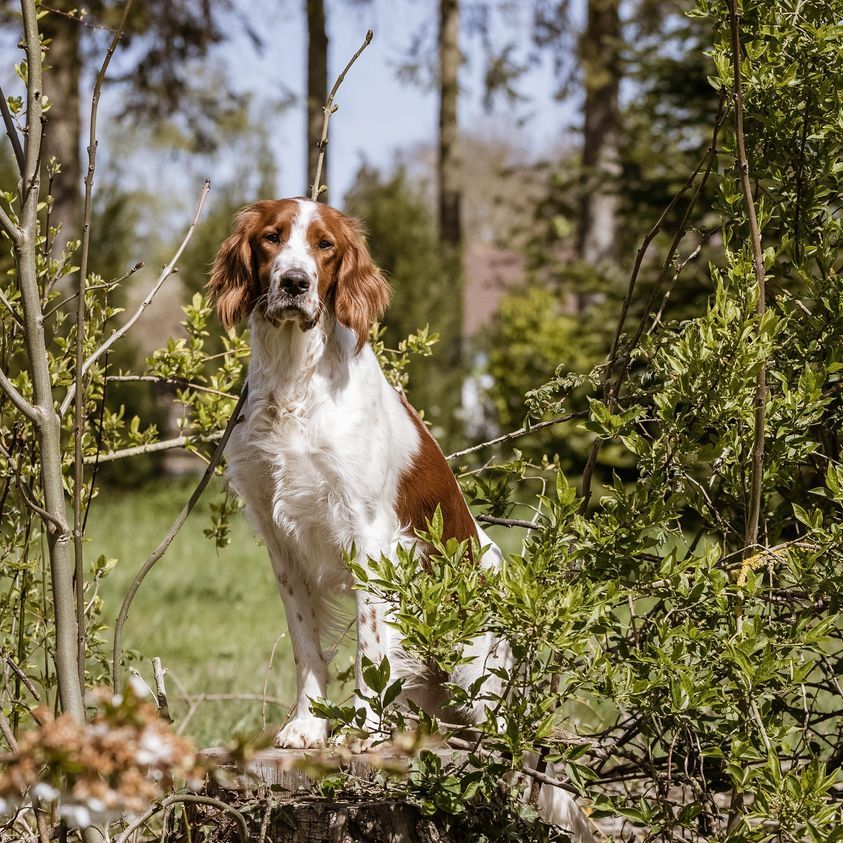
(302, 733)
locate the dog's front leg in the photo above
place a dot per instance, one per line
(300, 604)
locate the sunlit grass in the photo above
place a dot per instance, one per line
(212, 616)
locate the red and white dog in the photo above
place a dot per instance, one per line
(329, 455)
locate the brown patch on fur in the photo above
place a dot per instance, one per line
(429, 483)
(361, 293)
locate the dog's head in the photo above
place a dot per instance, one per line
(290, 261)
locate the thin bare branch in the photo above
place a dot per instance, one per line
(242, 829)
(8, 305)
(171, 534)
(166, 272)
(330, 108)
(156, 447)
(17, 399)
(11, 130)
(9, 227)
(19, 672)
(29, 496)
(158, 673)
(104, 286)
(509, 522)
(516, 434)
(612, 385)
(183, 382)
(754, 509)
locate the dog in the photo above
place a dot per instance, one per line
(330, 456)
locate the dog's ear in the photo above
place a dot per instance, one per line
(361, 293)
(232, 286)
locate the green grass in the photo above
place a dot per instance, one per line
(212, 616)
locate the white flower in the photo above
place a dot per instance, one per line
(76, 814)
(153, 750)
(45, 792)
(139, 687)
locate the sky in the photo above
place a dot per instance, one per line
(378, 114)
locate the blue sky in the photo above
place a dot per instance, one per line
(378, 113)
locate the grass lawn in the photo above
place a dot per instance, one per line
(212, 616)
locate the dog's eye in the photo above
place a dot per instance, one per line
(325, 244)
(272, 237)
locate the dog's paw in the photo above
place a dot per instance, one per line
(356, 740)
(302, 733)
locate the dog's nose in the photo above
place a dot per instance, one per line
(295, 282)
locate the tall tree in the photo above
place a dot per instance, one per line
(63, 129)
(600, 57)
(449, 196)
(448, 170)
(317, 88)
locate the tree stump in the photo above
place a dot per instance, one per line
(276, 791)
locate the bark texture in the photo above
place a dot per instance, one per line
(63, 129)
(317, 88)
(449, 168)
(449, 177)
(597, 242)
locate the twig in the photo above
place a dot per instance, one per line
(171, 534)
(471, 746)
(329, 109)
(233, 698)
(104, 286)
(613, 385)
(166, 272)
(509, 522)
(161, 691)
(516, 434)
(154, 447)
(266, 678)
(754, 512)
(11, 131)
(6, 729)
(8, 305)
(669, 291)
(79, 405)
(17, 399)
(196, 387)
(29, 495)
(242, 829)
(21, 675)
(12, 230)
(8, 734)
(77, 17)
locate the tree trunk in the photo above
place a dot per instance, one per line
(64, 127)
(317, 88)
(449, 175)
(597, 242)
(449, 169)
